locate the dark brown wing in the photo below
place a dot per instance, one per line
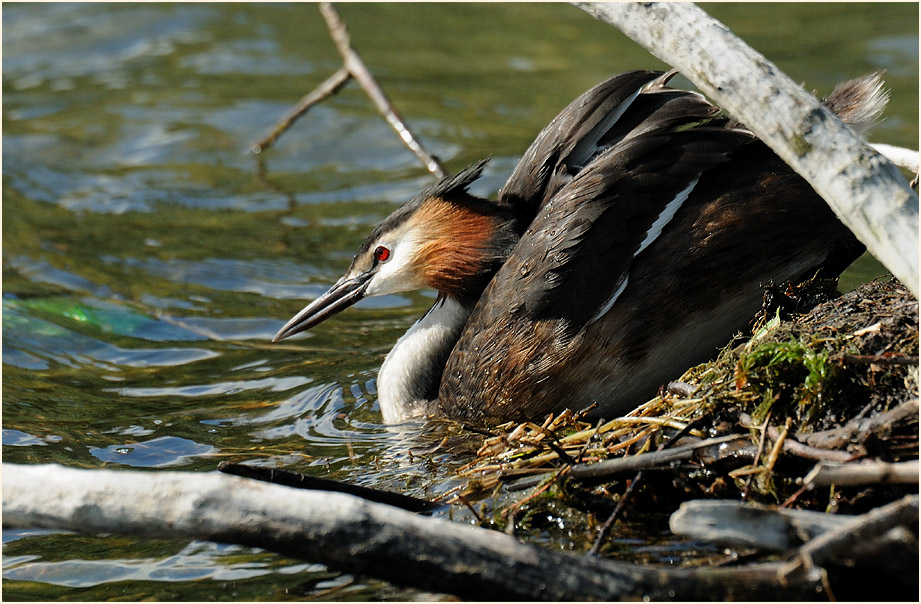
(569, 142)
(578, 250)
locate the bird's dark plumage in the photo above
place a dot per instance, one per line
(632, 240)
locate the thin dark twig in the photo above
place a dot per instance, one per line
(463, 500)
(603, 531)
(585, 411)
(588, 441)
(761, 441)
(362, 75)
(477, 430)
(895, 359)
(793, 446)
(564, 456)
(621, 503)
(792, 498)
(303, 481)
(327, 88)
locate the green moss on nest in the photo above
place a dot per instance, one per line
(791, 377)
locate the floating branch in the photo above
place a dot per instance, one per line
(865, 190)
(353, 68)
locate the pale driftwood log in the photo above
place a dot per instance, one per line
(354, 535)
(862, 473)
(730, 522)
(863, 188)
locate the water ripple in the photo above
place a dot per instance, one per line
(275, 384)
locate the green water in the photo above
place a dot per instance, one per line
(148, 258)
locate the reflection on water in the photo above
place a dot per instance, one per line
(149, 258)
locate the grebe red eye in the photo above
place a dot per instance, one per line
(381, 254)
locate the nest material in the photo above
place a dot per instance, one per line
(839, 382)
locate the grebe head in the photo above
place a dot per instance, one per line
(444, 239)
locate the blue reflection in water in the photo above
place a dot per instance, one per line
(157, 453)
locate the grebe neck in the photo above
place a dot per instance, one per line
(407, 384)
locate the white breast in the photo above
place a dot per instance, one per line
(416, 362)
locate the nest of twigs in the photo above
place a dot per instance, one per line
(823, 378)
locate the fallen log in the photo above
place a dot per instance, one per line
(358, 536)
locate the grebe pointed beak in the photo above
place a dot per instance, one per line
(344, 293)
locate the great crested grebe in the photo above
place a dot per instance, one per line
(630, 242)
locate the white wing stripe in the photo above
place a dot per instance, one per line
(588, 146)
(665, 217)
(607, 305)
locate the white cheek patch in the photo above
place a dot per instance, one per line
(398, 273)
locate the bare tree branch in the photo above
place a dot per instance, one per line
(772, 529)
(362, 75)
(353, 68)
(840, 542)
(330, 86)
(794, 447)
